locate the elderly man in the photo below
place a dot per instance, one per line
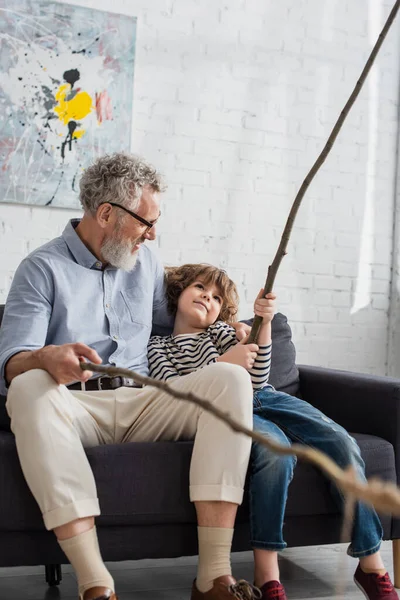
(92, 293)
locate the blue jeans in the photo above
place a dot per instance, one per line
(288, 419)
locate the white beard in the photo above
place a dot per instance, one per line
(118, 253)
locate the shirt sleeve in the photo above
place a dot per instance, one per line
(262, 366)
(224, 337)
(160, 366)
(26, 314)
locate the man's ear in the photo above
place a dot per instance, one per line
(103, 215)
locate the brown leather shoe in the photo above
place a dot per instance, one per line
(227, 588)
(98, 593)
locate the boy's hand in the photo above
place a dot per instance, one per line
(241, 354)
(264, 307)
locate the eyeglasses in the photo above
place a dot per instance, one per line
(135, 216)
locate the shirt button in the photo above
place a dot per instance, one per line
(115, 337)
(99, 265)
(107, 306)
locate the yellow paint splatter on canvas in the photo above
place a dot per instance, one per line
(75, 109)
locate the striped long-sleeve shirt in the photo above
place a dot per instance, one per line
(176, 355)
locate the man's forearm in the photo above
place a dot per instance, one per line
(22, 362)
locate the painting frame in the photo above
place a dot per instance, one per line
(66, 89)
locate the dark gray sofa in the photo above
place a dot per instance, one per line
(143, 487)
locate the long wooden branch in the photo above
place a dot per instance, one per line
(384, 496)
(281, 252)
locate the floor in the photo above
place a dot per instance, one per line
(307, 573)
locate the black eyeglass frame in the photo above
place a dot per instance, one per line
(134, 215)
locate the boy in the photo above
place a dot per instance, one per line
(204, 301)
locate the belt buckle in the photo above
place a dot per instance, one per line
(99, 379)
(129, 382)
(116, 382)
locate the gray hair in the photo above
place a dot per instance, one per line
(117, 178)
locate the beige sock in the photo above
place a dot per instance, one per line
(214, 555)
(83, 553)
(377, 571)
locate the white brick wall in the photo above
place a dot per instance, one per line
(233, 100)
(394, 307)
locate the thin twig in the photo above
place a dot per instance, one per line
(384, 496)
(281, 252)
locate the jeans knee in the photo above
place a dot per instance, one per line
(346, 451)
(265, 459)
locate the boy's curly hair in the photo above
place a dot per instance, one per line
(179, 278)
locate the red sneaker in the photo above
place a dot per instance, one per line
(273, 590)
(374, 586)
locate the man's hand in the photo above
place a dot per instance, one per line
(241, 354)
(242, 331)
(63, 362)
(264, 306)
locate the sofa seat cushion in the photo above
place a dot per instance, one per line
(147, 483)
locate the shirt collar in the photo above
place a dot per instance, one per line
(80, 252)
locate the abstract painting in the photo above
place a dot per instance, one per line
(66, 94)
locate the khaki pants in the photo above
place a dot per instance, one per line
(53, 425)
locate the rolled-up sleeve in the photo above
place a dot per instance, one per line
(27, 313)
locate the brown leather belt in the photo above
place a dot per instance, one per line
(105, 383)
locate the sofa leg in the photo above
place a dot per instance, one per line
(396, 562)
(53, 574)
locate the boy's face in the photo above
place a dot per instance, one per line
(200, 304)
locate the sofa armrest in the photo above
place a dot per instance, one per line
(360, 403)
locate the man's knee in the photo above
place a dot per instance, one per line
(30, 384)
(235, 390)
(231, 375)
(28, 392)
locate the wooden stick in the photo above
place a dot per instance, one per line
(384, 496)
(281, 252)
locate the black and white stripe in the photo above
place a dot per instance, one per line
(173, 356)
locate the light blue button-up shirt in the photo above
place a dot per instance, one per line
(61, 295)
